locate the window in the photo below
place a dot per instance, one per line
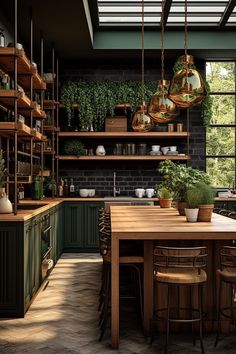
(220, 134)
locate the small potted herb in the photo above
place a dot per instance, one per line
(165, 197)
(206, 201)
(192, 199)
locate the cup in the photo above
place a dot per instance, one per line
(150, 192)
(139, 192)
(165, 149)
(173, 148)
(170, 127)
(155, 147)
(91, 192)
(180, 127)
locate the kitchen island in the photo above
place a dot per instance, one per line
(152, 224)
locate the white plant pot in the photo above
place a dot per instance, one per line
(5, 204)
(191, 214)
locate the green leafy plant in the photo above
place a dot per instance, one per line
(2, 170)
(74, 147)
(165, 193)
(97, 99)
(177, 178)
(206, 193)
(192, 198)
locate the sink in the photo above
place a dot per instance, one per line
(29, 206)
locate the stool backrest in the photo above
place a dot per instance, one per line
(104, 227)
(180, 257)
(228, 257)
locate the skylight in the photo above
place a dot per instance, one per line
(200, 13)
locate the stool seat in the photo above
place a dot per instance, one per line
(180, 276)
(227, 275)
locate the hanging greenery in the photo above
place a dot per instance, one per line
(97, 99)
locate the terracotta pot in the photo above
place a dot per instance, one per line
(180, 206)
(205, 212)
(165, 203)
(191, 214)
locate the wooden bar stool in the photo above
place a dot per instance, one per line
(178, 267)
(226, 275)
(132, 262)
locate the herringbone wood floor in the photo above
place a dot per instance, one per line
(63, 319)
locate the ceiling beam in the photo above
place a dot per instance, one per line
(227, 13)
(166, 11)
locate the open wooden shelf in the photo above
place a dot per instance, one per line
(24, 104)
(50, 128)
(25, 69)
(124, 134)
(7, 129)
(124, 157)
(50, 104)
(21, 179)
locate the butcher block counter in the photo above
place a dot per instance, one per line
(165, 227)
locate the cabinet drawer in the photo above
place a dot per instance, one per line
(116, 124)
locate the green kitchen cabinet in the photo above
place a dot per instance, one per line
(32, 257)
(73, 225)
(81, 226)
(58, 222)
(91, 236)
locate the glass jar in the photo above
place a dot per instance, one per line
(180, 127)
(142, 149)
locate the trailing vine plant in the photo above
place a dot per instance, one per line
(97, 99)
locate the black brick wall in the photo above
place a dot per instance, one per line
(133, 174)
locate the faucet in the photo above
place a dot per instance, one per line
(115, 190)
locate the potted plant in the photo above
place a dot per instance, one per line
(177, 178)
(206, 201)
(165, 197)
(73, 147)
(192, 200)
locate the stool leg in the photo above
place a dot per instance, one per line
(167, 319)
(192, 314)
(200, 296)
(218, 311)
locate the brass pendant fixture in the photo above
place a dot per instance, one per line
(187, 87)
(142, 122)
(162, 109)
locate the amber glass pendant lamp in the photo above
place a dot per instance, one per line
(162, 109)
(142, 122)
(187, 87)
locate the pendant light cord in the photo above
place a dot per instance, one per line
(185, 27)
(142, 45)
(162, 42)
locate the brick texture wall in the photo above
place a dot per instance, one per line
(133, 174)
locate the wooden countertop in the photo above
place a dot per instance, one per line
(23, 215)
(152, 222)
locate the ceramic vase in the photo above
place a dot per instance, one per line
(100, 151)
(5, 204)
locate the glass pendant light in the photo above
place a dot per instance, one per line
(162, 109)
(187, 87)
(142, 122)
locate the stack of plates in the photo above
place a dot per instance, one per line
(173, 153)
(155, 153)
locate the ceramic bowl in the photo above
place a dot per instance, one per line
(84, 193)
(91, 192)
(155, 147)
(18, 45)
(165, 149)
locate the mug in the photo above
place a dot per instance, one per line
(150, 192)
(165, 149)
(173, 148)
(139, 192)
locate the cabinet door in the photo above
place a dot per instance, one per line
(91, 236)
(59, 231)
(73, 225)
(52, 213)
(32, 257)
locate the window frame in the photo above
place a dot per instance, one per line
(226, 93)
